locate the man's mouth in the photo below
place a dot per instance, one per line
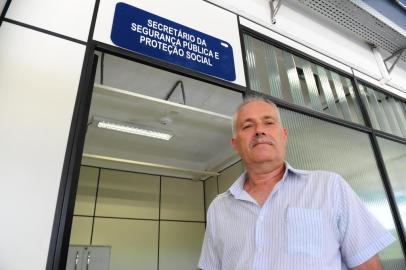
(261, 142)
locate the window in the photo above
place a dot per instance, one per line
(291, 78)
(386, 113)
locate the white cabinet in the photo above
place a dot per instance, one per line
(88, 258)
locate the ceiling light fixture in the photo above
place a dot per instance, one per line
(132, 128)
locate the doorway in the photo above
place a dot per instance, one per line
(156, 153)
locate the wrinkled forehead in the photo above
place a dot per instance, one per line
(257, 109)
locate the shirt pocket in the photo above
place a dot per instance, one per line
(305, 231)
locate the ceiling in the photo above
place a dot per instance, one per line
(136, 93)
(362, 20)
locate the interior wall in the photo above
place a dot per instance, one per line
(146, 219)
(37, 97)
(218, 184)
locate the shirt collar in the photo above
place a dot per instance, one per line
(237, 189)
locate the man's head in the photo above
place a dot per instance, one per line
(258, 135)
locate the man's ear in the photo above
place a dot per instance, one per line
(234, 145)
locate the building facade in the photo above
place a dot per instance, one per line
(178, 69)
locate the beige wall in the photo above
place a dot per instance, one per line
(140, 216)
(221, 183)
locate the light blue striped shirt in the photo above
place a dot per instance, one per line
(311, 220)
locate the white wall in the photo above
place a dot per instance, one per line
(2, 4)
(39, 77)
(70, 18)
(398, 74)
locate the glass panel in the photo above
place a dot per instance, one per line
(314, 144)
(386, 113)
(254, 82)
(273, 73)
(399, 115)
(351, 100)
(182, 199)
(293, 77)
(394, 155)
(341, 99)
(283, 75)
(330, 106)
(180, 244)
(311, 85)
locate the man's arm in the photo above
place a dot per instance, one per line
(372, 264)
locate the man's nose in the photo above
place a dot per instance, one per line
(259, 133)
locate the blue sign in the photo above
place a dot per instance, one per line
(143, 32)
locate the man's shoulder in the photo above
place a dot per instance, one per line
(222, 197)
(220, 200)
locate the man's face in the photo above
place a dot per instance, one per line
(260, 136)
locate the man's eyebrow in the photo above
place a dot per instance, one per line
(249, 119)
(266, 117)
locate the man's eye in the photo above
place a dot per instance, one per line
(246, 126)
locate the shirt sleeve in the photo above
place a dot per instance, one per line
(209, 259)
(361, 235)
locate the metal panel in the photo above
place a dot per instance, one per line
(182, 199)
(210, 190)
(229, 175)
(180, 245)
(128, 195)
(86, 193)
(134, 243)
(355, 18)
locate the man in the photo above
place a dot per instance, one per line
(275, 217)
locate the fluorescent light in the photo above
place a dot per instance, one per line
(132, 129)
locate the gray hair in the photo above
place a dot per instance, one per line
(249, 99)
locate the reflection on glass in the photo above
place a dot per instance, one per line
(296, 80)
(386, 113)
(318, 145)
(394, 155)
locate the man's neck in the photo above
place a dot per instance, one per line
(260, 183)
